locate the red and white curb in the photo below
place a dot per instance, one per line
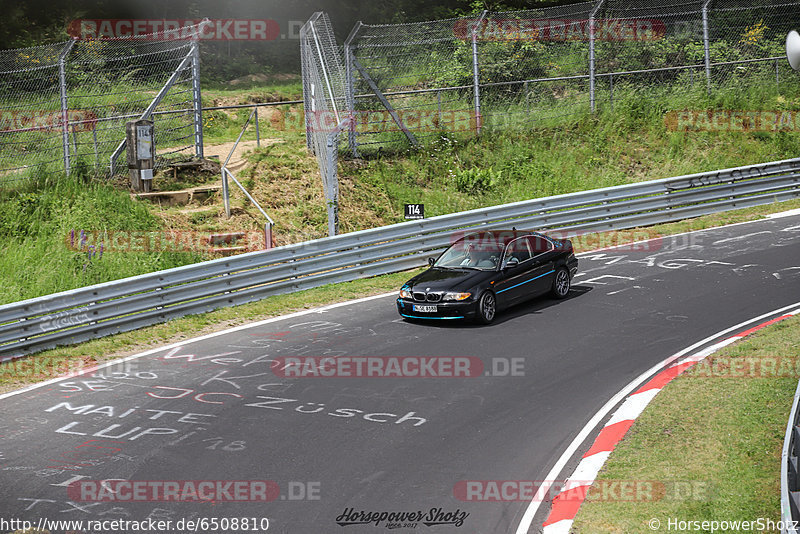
(566, 503)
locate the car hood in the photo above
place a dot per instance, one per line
(447, 279)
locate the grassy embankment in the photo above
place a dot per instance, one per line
(452, 173)
(710, 442)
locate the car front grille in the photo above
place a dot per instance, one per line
(421, 296)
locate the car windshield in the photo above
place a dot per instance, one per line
(465, 255)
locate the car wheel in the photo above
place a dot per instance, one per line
(487, 308)
(561, 284)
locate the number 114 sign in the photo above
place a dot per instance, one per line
(415, 211)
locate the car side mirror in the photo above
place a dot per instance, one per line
(511, 262)
(431, 261)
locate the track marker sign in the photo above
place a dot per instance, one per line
(414, 211)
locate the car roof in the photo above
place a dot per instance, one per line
(501, 237)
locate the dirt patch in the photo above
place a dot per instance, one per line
(264, 78)
(221, 151)
(238, 160)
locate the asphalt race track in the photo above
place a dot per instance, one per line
(215, 409)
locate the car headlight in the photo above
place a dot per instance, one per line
(405, 293)
(456, 296)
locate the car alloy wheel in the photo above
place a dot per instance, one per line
(561, 284)
(487, 307)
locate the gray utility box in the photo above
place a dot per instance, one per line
(141, 151)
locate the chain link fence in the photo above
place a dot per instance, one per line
(324, 99)
(406, 82)
(65, 105)
(400, 84)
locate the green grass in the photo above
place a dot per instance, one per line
(721, 435)
(629, 143)
(449, 173)
(57, 361)
(42, 256)
(251, 92)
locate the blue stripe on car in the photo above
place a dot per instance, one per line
(422, 317)
(526, 281)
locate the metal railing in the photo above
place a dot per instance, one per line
(103, 309)
(226, 173)
(790, 469)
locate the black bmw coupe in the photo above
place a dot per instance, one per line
(484, 272)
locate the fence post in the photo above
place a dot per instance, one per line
(308, 87)
(527, 96)
(96, 154)
(226, 201)
(258, 132)
(324, 70)
(62, 84)
(331, 183)
(267, 235)
(197, 99)
(349, 89)
(611, 90)
(476, 89)
(706, 52)
(592, 69)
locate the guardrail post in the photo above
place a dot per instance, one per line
(475, 83)
(62, 85)
(706, 52)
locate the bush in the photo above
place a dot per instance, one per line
(476, 180)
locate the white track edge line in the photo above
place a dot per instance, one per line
(321, 309)
(569, 452)
(200, 338)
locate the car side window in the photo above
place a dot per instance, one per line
(540, 245)
(520, 249)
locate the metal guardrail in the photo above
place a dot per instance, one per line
(130, 303)
(790, 471)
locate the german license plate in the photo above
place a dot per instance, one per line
(424, 309)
